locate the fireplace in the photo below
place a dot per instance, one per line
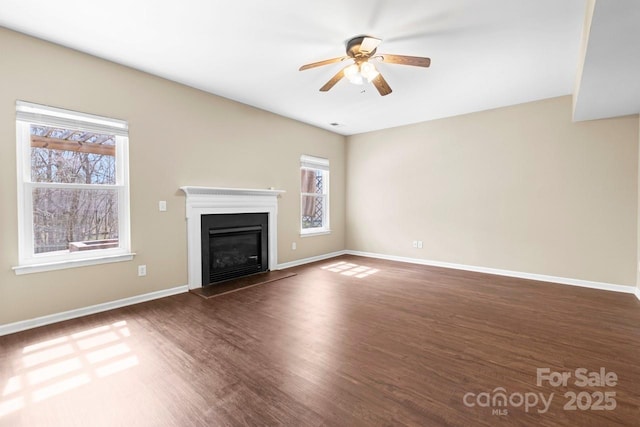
(234, 245)
(205, 201)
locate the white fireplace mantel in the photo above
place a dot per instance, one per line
(216, 200)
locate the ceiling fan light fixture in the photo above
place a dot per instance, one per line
(358, 73)
(352, 73)
(368, 71)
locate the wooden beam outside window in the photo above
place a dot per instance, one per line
(67, 145)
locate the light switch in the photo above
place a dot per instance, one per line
(162, 205)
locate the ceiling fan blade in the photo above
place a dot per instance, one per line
(331, 83)
(381, 84)
(369, 44)
(417, 61)
(321, 63)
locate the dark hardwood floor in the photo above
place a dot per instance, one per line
(349, 341)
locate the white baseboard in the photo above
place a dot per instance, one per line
(638, 293)
(10, 328)
(309, 260)
(531, 276)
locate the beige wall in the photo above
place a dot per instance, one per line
(178, 136)
(520, 188)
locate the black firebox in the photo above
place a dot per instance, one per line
(234, 245)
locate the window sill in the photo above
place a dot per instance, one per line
(315, 233)
(81, 262)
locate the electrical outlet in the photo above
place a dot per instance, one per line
(142, 270)
(162, 205)
(415, 243)
(419, 244)
(294, 246)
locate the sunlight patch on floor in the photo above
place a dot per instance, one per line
(49, 372)
(60, 387)
(53, 367)
(117, 366)
(350, 269)
(11, 405)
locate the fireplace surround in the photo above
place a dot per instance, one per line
(215, 200)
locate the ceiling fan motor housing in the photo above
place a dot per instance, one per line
(353, 48)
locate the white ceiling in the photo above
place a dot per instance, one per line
(610, 82)
(485, 54)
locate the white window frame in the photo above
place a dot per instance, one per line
(28, 114)
(322, 164)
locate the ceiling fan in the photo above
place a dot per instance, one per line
(362, 51)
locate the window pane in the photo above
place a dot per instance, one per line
(312, 211)
(319, 182)
(308, 179)
(72, 156)
(312, 181)
(74, 220)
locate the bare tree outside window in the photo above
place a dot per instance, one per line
(71, 215)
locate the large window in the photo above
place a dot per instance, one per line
(314, 195)
(73, 189)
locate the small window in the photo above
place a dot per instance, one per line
(314, 195)
(73, 188)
